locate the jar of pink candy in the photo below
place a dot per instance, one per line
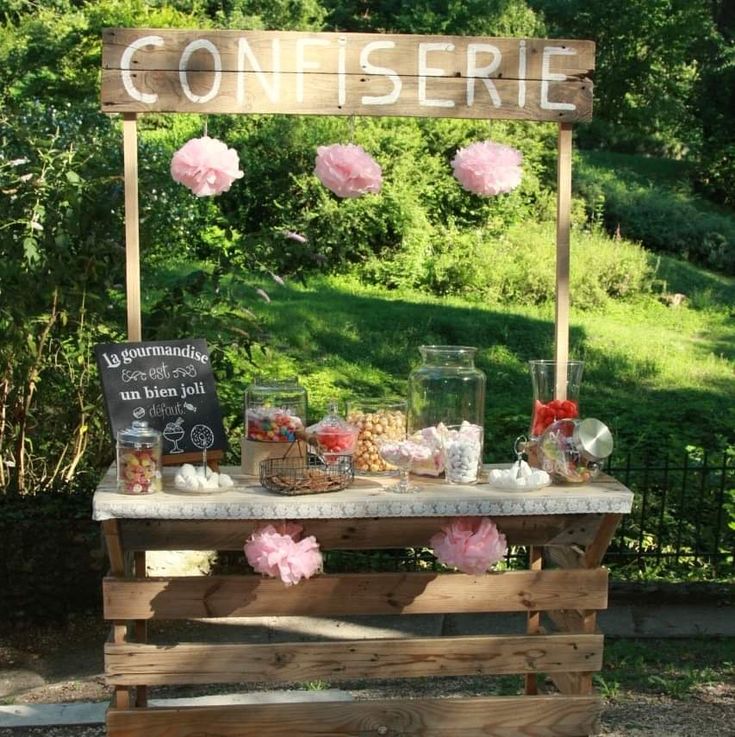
(275, 410)
(139, 459)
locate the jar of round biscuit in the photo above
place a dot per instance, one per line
(376, 420)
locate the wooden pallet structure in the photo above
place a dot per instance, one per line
(567, 531)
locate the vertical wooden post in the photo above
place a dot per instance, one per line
(141, 625)
(533, 624)
(132, 243)
(563, 224)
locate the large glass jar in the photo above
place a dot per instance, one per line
(274, 410)
(447, 388)
(139, 459)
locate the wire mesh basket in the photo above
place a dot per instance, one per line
(296, 474)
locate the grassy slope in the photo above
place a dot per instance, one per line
(661, 377)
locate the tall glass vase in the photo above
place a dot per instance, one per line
(555, 393)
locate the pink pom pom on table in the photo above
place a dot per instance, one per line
(471, 544)
(347, 170)
(487, 168)
(206, 166)
(279, 553)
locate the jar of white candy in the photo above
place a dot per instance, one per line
(463, 453)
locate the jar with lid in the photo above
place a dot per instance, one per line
(334, 437)
(275, 409)
(139, 459)
(446, 388)
(572, 451)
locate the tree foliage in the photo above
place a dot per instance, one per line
(664, 83)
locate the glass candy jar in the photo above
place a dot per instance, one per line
(446, 388)
(275, 409)
(139, 459)
(554, 398)
(377, 420)
(572, 451)
(334, 436)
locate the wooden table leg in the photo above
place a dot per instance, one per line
(581, 621)
(121, 695)
(141, 626)
(533, 624)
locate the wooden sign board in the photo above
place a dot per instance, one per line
(218, 71)
(170, 385)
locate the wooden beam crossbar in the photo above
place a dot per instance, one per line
(156, 665)
(351, 534)
(371, 593)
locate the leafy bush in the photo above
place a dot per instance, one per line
(663, 219)
(517, 267)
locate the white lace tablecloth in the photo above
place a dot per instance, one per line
(367, 497)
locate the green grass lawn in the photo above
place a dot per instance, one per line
(669, 667)
(661, 377)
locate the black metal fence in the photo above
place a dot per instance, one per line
(683, 521)
(681, 528)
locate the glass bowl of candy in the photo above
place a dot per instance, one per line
(403, 455)
(333, 436)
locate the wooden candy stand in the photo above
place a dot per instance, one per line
(566, 527)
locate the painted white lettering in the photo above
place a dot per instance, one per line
(473, 71)
(548, 76)
(302, 64)
(190, 48)
(369, 68)
(427, 71)
(522, 74)
(272, 87)
(127, 78)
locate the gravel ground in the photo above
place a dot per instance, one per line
(66, 666)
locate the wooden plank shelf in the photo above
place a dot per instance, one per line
(130, 663)
(186, 597)
(512, 716)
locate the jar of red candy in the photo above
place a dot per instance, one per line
(139, 459)
(334, 436)
(555, 393)
(275, 410)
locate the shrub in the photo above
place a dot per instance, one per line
(515, 267)
(663, 219)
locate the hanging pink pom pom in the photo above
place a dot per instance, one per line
(206, 166)
(279, 553)
(488, 168)
(348, 170)
(471, 544)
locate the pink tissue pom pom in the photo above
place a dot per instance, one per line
(471, 544)
(281, 554)
(488, 168)
(348, 170)
(206, 166)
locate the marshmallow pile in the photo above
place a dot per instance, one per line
(404, 453)
(202, 478)
(519, 476)
(454, 452)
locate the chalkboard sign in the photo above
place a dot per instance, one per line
(170, 385)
